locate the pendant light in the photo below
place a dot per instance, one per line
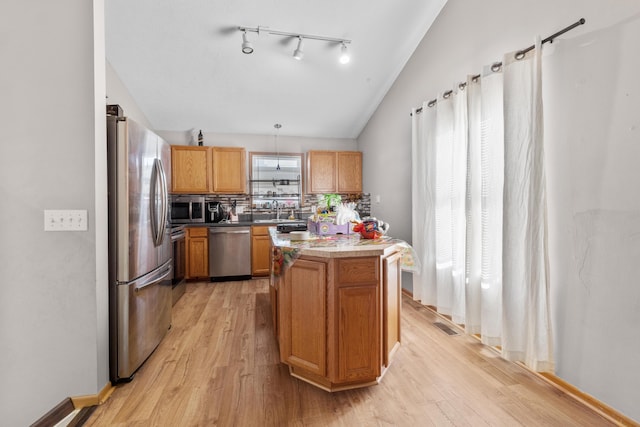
(277, 126)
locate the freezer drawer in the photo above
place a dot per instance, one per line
(143, 317)
(229, 252)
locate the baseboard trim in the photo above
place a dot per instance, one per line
(596, 405)
(80, 402)
(588, 400)
(55, 415)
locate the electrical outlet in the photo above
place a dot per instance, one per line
(65, 220)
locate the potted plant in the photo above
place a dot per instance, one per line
(331, 200)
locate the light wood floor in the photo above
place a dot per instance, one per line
(219, 365)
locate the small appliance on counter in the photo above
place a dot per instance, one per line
(288, 227)
(215, 212)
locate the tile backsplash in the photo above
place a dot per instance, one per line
(244, 204)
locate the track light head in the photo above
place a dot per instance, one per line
(298, 53)
(247, 47)
(344, 54)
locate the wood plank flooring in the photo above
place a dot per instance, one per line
(219, 366)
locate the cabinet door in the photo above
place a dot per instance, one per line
(358, 319)
(302, 309)
(322, 171)
(349, 172)
(229, 170)
(197, 253)
(190, 169)
(260, 255)
(391, 306)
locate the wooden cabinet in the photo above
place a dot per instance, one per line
(357, 314)
(190, 170)
(303, 328)
(349, 172)
(260, 250)
(392, 300)
(208, 170)
(229, 170)
(321, 167)
(338, 318)
(334, 172)
(197, 252)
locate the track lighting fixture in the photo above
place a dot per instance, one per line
(298, 53)
(344, 54)
(246, 44)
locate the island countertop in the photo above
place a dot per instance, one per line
(334, 246)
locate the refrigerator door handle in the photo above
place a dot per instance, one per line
(158, 224)
(165, 200)
(162, 274)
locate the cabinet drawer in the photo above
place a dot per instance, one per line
(260, 230)
(198, 231)
(358, 270)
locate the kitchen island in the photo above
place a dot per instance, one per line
(336, 308)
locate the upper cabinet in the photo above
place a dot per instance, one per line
(349, 175)
(208, 170)
(229, 170)
(334, 171)
(190, 169)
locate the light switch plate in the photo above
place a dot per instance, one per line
(65, 220)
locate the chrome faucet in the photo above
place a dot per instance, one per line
(277, 206)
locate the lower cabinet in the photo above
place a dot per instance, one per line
(392, 300)
(338, 319)
(357, 312)
(260, 251)
(197, 252)
(303, 326)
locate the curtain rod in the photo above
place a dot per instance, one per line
(519, 55)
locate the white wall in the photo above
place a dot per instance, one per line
(52, 316)
(117, 93)
(592, 121)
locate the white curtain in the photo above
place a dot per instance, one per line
(527, 326)
(492, 148)
(479, 209)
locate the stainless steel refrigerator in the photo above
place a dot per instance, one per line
(140, 251)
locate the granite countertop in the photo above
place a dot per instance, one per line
(334, 246)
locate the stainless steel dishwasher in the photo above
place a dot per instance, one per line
(229, 252)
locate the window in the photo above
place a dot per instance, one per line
(275, 179)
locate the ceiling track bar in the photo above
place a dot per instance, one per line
(518, 55)
(267, 30)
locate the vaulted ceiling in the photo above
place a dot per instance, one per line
(182, 61)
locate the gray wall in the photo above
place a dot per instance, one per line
(592, 174)
(53, 318)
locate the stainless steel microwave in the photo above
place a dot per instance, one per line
(187, 209)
